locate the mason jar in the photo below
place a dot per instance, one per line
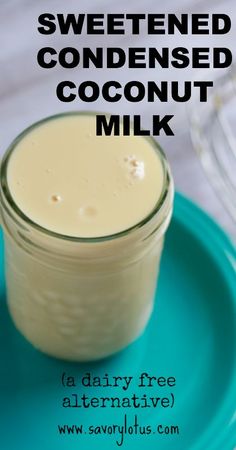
(82, 298)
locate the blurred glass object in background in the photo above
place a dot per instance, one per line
(213, 131)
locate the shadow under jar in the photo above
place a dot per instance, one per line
(81, 298)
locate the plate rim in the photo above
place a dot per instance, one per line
(223, 251)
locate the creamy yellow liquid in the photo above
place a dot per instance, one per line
(68, 180)
(74, 299)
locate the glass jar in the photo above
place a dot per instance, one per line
(82, 298)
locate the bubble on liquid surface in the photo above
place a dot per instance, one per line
(87, 212)
(129, 158)
(136, 167)
(56, 198)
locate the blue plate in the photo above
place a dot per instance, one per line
(191, 338)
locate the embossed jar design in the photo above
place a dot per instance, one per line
(82, 298)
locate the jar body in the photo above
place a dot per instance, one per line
(82, 298)
(80, 315)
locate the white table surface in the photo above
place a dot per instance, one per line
(27, 92)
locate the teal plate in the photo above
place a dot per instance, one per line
(191, 337)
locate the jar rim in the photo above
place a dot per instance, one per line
(19, 213)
